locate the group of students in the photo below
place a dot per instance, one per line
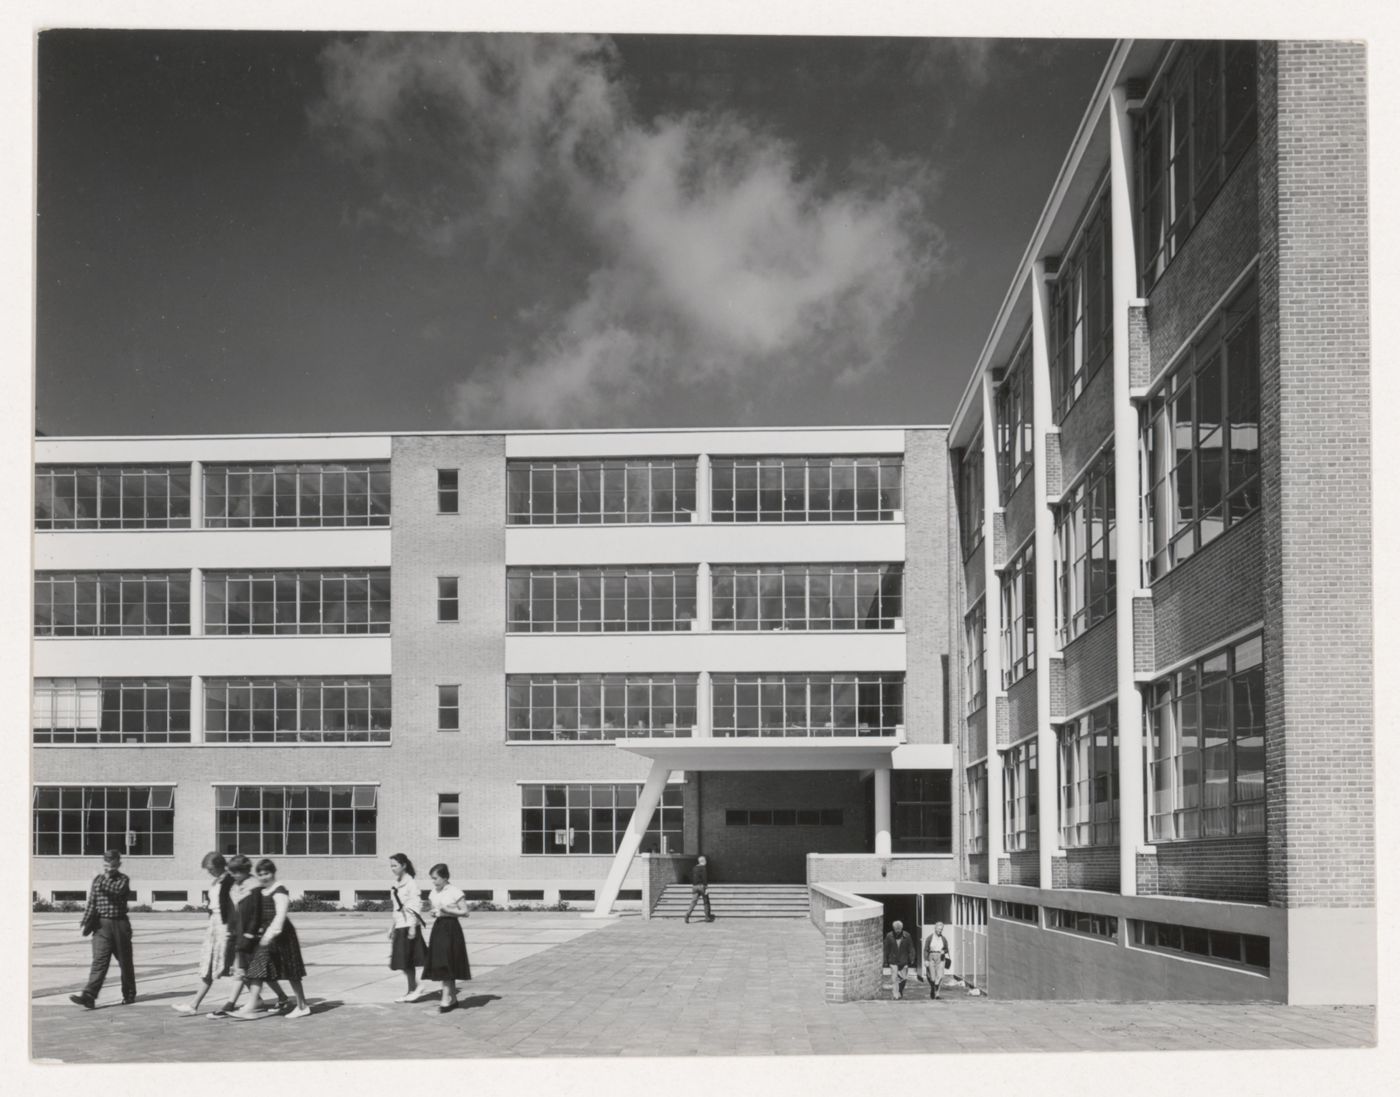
(251, 939)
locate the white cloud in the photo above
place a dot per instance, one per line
(716, 254)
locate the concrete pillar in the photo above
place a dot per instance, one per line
(704, 600)
(884, 847)
(647, 800)
(1127, 493)
(704, 711)
(196, 601)
(197, 708)
(1047, 647)
(197, 495)
(702, 488)
(991, 507)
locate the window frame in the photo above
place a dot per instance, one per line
(806, 488)
(302, 602)
(296, 710)
(1018, 616)
(747, 705)
(297, 495)
(806, 597)
(448, 600)
(622, 598)
(1015, 428)
(110, 492)
(76, 803)
(114, 603)
(454, 707)
(449, 816)
(315, 804)
(975, 812)
(975, 664)
(972, 497)
(600, 708)
(652, 490)
(1080, 307)
(448, 491)
(548, 808)
(111, 702)
(1089, 803)
(1086, 532)
(1020, 808)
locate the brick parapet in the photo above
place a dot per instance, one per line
(1091, 666)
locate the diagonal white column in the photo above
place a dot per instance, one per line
(883, 845)
(647, 800)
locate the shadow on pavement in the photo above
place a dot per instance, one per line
(477, 1001)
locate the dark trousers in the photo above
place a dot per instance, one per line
(111, 938)
(696, 894)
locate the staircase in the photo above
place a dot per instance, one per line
(736, 901)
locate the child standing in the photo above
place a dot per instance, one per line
(406, 950)
(447, 948)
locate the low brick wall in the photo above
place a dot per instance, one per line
(660, 869)
(854, 930)
(840, 869)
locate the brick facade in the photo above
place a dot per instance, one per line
(1087, 425)
(927, 607)
(1020, 708)
(1020, 514)
(1215, 593)
(1089, 868)
(1091, 666)
(1230, 869)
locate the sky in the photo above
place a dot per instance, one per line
(297, 231)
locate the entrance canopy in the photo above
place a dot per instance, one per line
(765, 754)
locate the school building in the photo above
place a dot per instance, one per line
(924, 667)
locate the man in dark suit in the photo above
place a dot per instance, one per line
(900, 956)
(699, 889)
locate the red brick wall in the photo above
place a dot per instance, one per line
(1218, 591)
(1020, 708)
(1229, 869)
(976, 736)
(1021, 868)
(1087, 425)
(1317, 474)
(1020, 513)
(1218, 249)
(927, 599)
(1091, 868)
(1091, 664)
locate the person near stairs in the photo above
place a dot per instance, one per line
(699, 889)
(900, 955)
(936, 958)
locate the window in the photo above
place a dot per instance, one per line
(107, 497)
(449, 814)
(1018, 616)
(297, 820)
(448, 706)
(621, 599)
(607, 492)
(88, 820)
(975, 644)
(599, 707)
(784, 817)
(170, 896)
(591, 819)
(1205, 725)
(1016, 912)
(806, 705)
(806, 489)
(1219, 946)
(923, 811)
(1081, 310)
(971, 496)
(1089, 779)
(329, 494)
(297, 710)
(1021, 796)
(1081, 921)
(807, 596)
(975, 812)
(372, 895)
(112, 603)
(1191, 134)
(1015, 434)
(446, 598)
(1200, 441)
(447, 491)
(1086, 551)
(296, 603)
(527, 895)
(112, 710)
(576, 895)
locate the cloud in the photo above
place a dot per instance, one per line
(716, 255)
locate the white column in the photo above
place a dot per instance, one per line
(1127, 493)
(1046, 640)
(704, 603)
(197, 708)
(883, 846)
(704, 711)
(991, 506)
(197, 495)
(647, 800)
(702, 488)
(196, 601)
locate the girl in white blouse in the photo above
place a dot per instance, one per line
(447, 948)
(406, 950)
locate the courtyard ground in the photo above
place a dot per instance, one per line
(561, 985)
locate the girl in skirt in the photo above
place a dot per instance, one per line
(214, 953)
(447, 949)
(278, 954)
(406, 950)
(245, 929)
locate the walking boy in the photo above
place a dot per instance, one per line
(699, 889)
(105, 918)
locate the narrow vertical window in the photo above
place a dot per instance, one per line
(447, 598)
(449, 815)
(449, 710)
(447, 491)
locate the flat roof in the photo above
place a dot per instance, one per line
(483, 433)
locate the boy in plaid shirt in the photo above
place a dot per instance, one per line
(105, 918)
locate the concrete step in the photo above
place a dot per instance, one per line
(737, 901)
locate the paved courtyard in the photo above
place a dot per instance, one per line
(559, 985)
